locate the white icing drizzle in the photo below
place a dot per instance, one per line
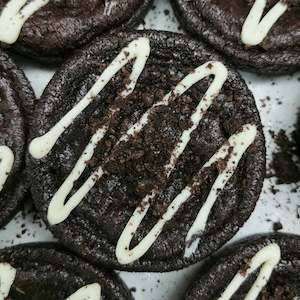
(14, 15)
(58, 210)
(267, 258)
(6, 163)
(240, 143)
(254, 29)
(7, 277)
(90, 292)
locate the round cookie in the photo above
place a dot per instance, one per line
(173, 134)
(269, 45)
(16, 100)
(263, 267)
(44, 271)
(50, 30)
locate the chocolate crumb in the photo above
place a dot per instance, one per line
(245, 267)
(284, 163)
(277, 226)
(166, 12)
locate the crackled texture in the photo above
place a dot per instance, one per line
(283, 284)
(16, 101)
(135, 168)
(45, 271)
(57, 29)
(220, 23)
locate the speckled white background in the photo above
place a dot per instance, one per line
(279, 112)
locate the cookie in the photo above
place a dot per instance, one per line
(147, 152)
(44, 271)
(16, 100)
(264, 267)
(50, 30)
(261, 36)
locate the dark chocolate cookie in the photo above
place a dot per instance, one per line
(51, 30)
(268, 45)
(45, 272)
(16, 100)
(264, 268)
(127, 132)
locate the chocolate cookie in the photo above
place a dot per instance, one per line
(45, 272)
(148, 152)
(16, 100)
(50, 30)
(259, 35)
(265, 267)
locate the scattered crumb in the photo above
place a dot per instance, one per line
(277, 226)
(285, 162)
